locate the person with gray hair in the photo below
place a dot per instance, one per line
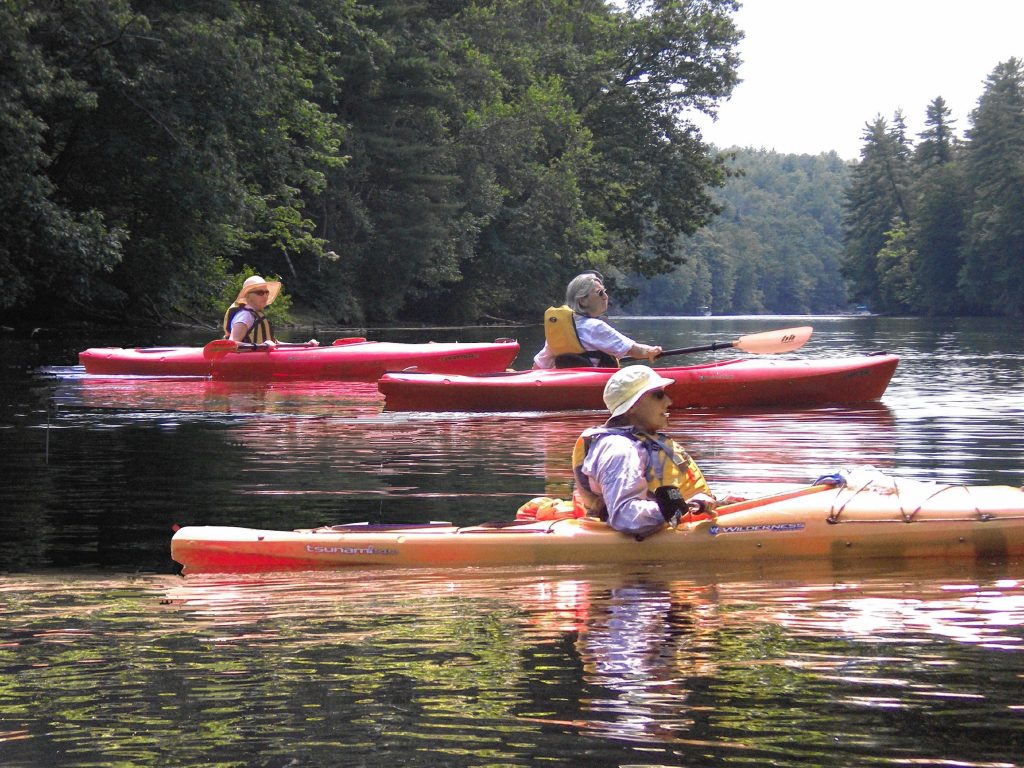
(575, 336)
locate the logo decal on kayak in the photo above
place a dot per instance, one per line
(371, 550)
(716, 530)
(462, 356)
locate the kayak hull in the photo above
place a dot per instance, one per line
(737, 383)
(360, 361)
(819, 523)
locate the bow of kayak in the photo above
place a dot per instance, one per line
(145, 361)
(736, 383)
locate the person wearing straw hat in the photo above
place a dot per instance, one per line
(628, 472)
(576, 336)
(244, 320)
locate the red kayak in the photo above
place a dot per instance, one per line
(737, 383)
(346, 359)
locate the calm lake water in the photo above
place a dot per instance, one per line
(108, 657)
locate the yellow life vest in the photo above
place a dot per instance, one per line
(560, 331)
(667, 464)
(564, 343)
(260, 331)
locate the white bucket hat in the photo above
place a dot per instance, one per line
(256, 282)
(627, 385)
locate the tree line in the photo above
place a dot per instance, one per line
(776, 247)
(936, 227)
(443, 162)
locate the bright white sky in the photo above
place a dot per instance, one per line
(815, 71)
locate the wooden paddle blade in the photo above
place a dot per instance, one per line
(772, 342)
(219, 348)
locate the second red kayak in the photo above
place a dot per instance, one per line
(737, 383)
(346, 359)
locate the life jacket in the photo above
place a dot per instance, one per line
(667, 464)
(564, 343)
(260, 331)
(547, 508)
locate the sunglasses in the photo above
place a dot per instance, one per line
(260, 293)
(658, 394)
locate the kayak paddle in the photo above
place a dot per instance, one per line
(761, 501)
(766, 343)
(220, 347)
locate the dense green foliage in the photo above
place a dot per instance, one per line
(775, 248)
(160, 142)
(938, 228)
(432, 161)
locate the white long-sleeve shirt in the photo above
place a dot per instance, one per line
(594, 333)
(616, 466)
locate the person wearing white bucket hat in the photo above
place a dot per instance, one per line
(628, 472)
(244, 320)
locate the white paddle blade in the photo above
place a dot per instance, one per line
(773, 342)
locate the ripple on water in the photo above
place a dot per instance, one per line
(513, 665)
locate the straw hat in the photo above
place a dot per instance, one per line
(627, 385)
(255, 283)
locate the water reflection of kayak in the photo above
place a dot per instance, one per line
(738, 383)
(197, 394)
(347, 359)
(896, 520)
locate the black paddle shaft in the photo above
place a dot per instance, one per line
(686, 350)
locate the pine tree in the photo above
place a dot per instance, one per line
(937, 235)
(938, 139)
(993, 272)
(876, 201)
(937, 231)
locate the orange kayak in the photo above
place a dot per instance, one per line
(346, 359)
(820, 522)
(736, 383)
